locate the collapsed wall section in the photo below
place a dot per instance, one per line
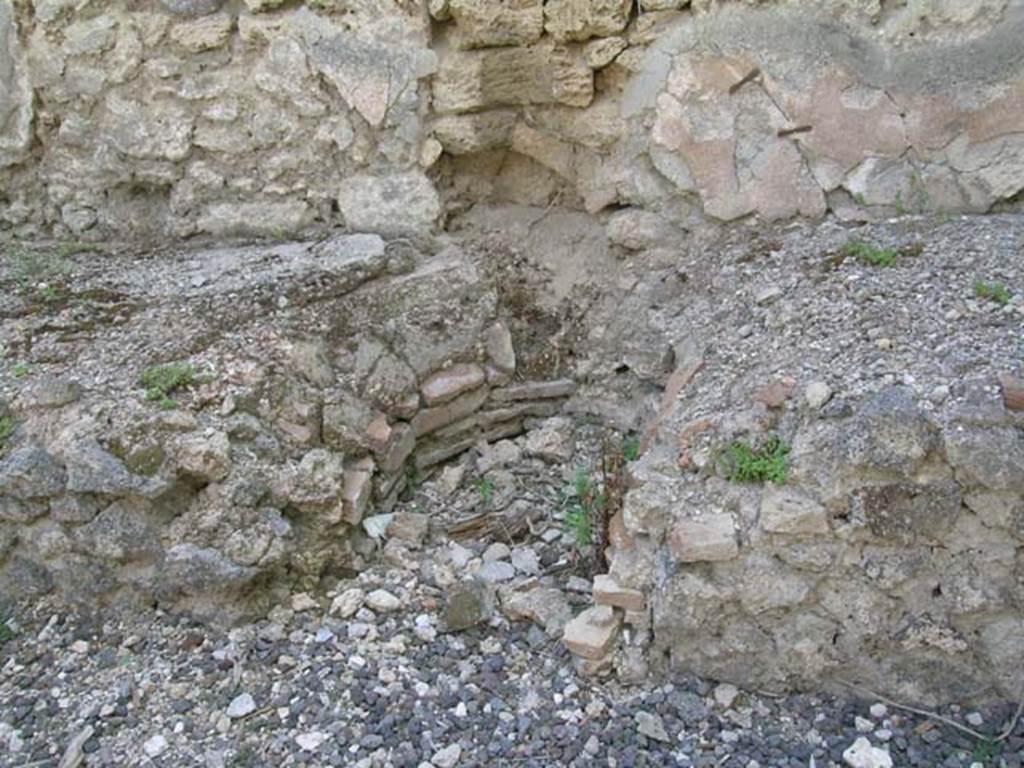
(204, 430)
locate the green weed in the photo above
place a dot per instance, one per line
(759, 463)
(583, 503)
(996, 292)
(7, 427)
(20, 370)
(986, 751)
(413, 480)
(877, 257)
(49, 293)
(486, 487)
(160, 380)
(6, 633)
(631, 449)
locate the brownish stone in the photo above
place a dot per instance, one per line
(535, 390)
(775, 395)
(431, 419)
(608, 592)
(592, 633)
(448, 384)
(378, 434)
(356, 491)
(401, 444)
(1013, 392)
(708, 539)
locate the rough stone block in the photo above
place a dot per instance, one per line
(465, 134)
(547, 606)
(553, 441)
(889, 432)
(608, 592)
(192, 7)
(482, 23)
(707, 539)
(90, 469)
(391, 204)
(410, 528)
(468, 603)
(204, 33)
(431, 419)
(449, 383)
(784, 510)
(148, 131)
(1013, 392)
(401, 445)
(498, 340)
(519, 410)
(315, 483)
(639, 230)
(910, 512)
(601, 53)
(30, 472)
(592, 633)
(577, 20)
(769, 585)
(541, 74)
(378, 434)
(356, 491)
(258, 217)
(15, 91)
(535, 390)
(992, 457)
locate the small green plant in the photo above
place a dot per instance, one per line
(49, 293)
(631, 449)
(876, 257)
(767, 461)
(584, 501)
(412, 480)
(486, 487)
(577, 520)
(6, 633)
(901, 208)
(7, 427)
(160, 380)
(19, 370)
(986, 751)
(996, 292)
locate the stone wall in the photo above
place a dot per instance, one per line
(194, 116)
(720, 111)
(832, 485)
(200, 117)
(327, 377)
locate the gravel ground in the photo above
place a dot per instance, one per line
(385, 687)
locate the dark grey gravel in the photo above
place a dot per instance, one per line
(394, 699)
